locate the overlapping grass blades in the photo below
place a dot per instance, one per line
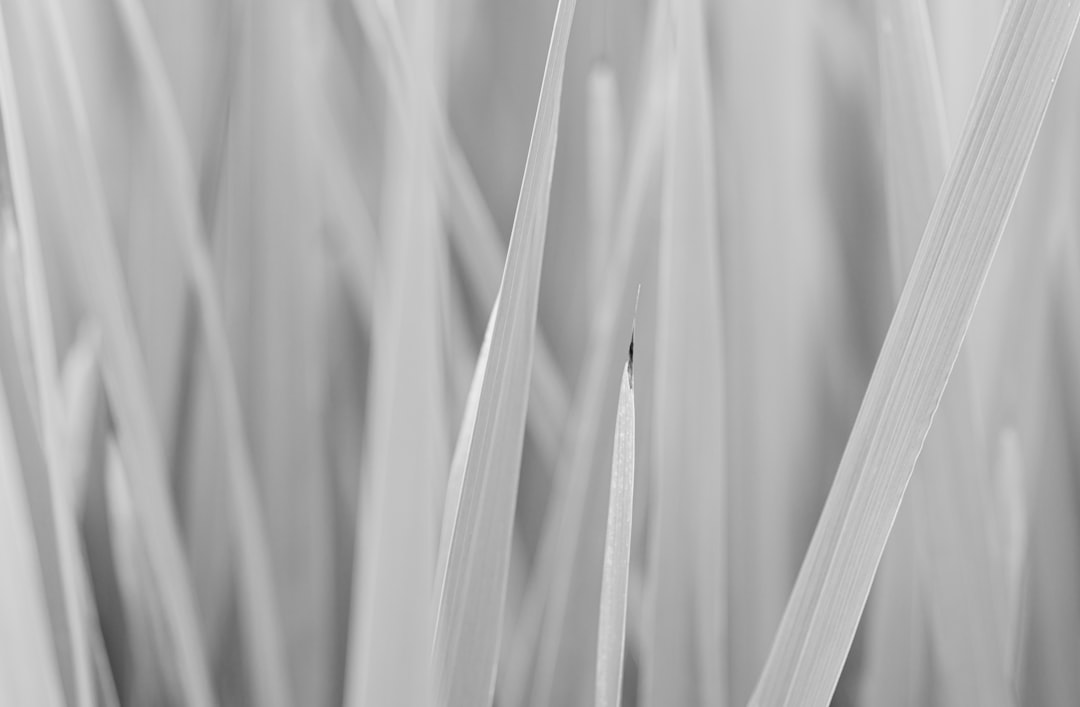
(471, 591)
(472, 227)
(918, 354)
(27, 299)
(261, 620)
(48, 75)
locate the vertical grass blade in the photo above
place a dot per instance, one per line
(917, 357)
(471, 593)
(611, 638)
(685, 661)
(391, 644)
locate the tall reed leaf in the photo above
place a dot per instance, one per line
(949, 501)
(685, 661)
(611, 637)
(920, 348)
(471, 592)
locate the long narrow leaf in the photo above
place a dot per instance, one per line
(686, 660)
(949, 498)
(613, 588)
(924, 339)
(471, 592)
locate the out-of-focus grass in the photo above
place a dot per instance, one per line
(264, 261)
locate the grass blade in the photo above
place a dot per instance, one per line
(553, 637)
(391, 642)
(475, 237)
(605, 160)
(686, 661)
(949, 499)
(924, 339)
(261, 620)
(611, 637)
(31, 674)
(471, 592)
(50, 505)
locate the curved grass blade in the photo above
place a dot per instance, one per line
(917, 357)
(471, 592)
(611, 638)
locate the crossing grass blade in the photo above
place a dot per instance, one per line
(471, 593)
(917, 357)
(949, 494)
(611, 637)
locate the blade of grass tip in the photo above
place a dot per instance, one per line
(124, 371)
(258, 603)
(471, 593)
(611, 637)
(920, 348)
(686, 660)
(31, 674)
(604, 161)
(949, 503)
(474, 234)
(552, 638)
(393, 619)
